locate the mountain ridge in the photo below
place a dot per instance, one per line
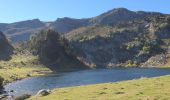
(20, 31)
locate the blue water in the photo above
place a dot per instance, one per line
(34, 84)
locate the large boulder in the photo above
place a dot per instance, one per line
(155, 61)
(43, 92)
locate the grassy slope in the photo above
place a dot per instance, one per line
(141, 89)
(21, 66)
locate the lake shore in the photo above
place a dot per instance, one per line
(142, 89)
(21, 66)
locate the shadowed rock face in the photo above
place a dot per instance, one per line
(5, 48)
(54, 51)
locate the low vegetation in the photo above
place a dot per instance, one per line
(141, 89)
(21, 66)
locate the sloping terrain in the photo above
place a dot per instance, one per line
(126, 44)
(21, 31)
(137, 43)
(116, 38)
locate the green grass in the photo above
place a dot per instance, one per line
(141, 89)
(21, 66)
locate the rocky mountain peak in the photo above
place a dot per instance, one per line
(28, 24)
(119, 10)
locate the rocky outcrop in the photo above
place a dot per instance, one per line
(6, 48)
(43, 92)
(54, 51)
(103, 51)
(127, 44)
(155, 61)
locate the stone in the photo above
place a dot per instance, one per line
(43, 92)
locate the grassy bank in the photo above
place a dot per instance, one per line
(141, 89)
(21, 66)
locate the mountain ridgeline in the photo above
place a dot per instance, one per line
(21, 31)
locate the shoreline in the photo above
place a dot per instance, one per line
(114, 90)
(103, 82)
(47, 73)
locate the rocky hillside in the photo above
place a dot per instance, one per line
(116, 38)
(6, 49)
(119, 15)
(143, 43)
(21, 31)
(130, 44)
(64, 25)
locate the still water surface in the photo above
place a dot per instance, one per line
(34, 84)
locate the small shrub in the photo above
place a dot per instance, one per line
(23, 63)
(164, 26)
(146, 48)
(119, 92)
(168, 19)
(93, 65)
(129, 46)
(130, 63)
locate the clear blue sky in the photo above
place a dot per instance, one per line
(49, 10)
